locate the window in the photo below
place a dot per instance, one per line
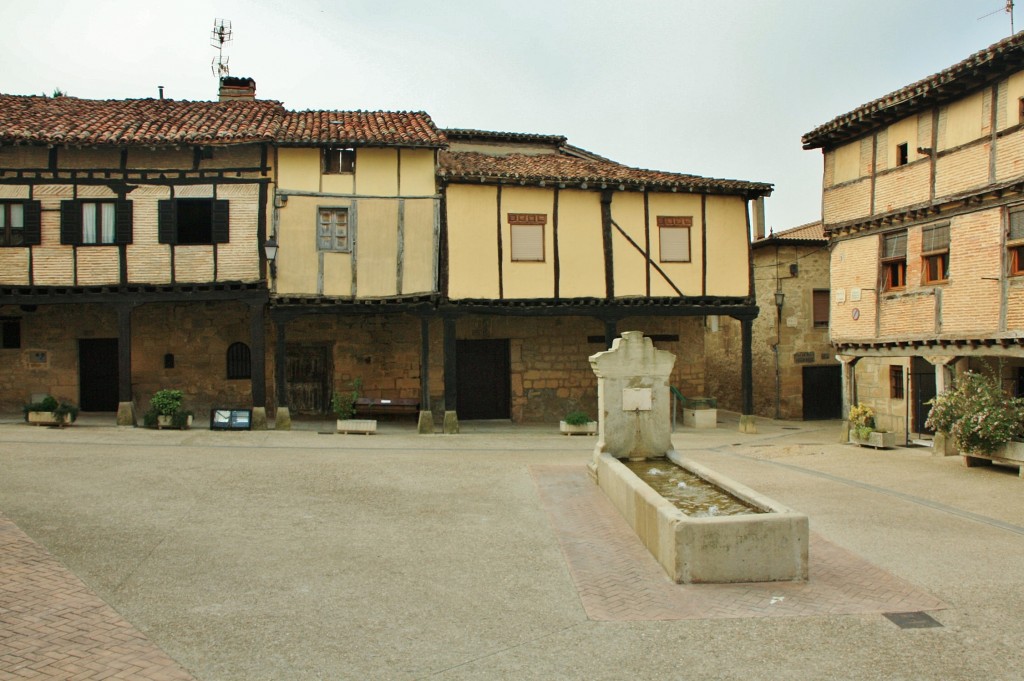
(238, 360)
(1015, 242)
(10, 332)
(896, 382)
(1020, 110)
(332, 230)
(674, 237)
(337, 160)
(902, 154)
(821, 308)
(527, 231)
(935, 253)
(894, 261)
(192, 221)
(19, 223)
(95, 222)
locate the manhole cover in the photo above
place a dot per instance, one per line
(912, 620)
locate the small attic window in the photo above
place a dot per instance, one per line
(1020, 110)
(339, 160)
(902, 154)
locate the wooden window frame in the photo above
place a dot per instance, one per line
(170, 218)
(896, 391)
(1015, 242)
(667, 224)
(902, 154)
(72, 222)
(97, 206)
(339, 161)
(818, 322)
(894, 267)
(29, 233)
(935, 261)
(1020, 110)
(338, 243)
(527, 221)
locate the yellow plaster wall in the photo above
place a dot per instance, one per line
(419, 246)
(417, 172)
(376, 172)
(472, 244)
(297, 258)
(528, 279)
(904, 131)
(298, 169)
(580, 245)
(687, 276)
(630, 265)
(727, 247)
(376, 243)
(963, 121)
(847, 162)
(1011, 90)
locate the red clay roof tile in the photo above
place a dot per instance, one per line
(389, 128)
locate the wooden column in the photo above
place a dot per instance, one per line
(747, 367)
(606, 234)
(124, 352)
(610, 332)
(258, 354)
(450, 390)
(280, 356)
(424, 363)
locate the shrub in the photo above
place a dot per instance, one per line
(60, 408)
(343, 404)
(977, 414)
(577, 418)
(167, 402)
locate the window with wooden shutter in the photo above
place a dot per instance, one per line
(896, 382)
(527, 234)
(674, 237)
(821, 307)
(12, 223)
(332, 230)
(1015, 242)
(239, 361)
(894, 261)
(935, 253)
(193, 221)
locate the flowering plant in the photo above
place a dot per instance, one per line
(862, 421)
(977, 414)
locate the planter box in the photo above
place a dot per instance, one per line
(700, 418)
(361, 426)
(167, 422)
(588, 428)
(876, 439)
(1012, 453)
(47, 418)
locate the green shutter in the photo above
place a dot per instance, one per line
(70, 222)
(33, 230)
(165, 229)
(123, 222)
(221, 219)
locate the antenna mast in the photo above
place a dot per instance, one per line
(222, 34)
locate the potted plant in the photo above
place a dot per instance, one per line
(50, 411)
(577, 423)
(165, 411)
(863, 431)
(343, 404)
(981, 419)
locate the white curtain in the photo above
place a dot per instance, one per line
(88, 223)
(108, 223)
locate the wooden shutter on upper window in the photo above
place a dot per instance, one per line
(165, 228)
(821, 308)
(32, 230)
(1017, 225)
(934, 238)
(895, 245)
(123, 222)
(70, 222)
(221, 215)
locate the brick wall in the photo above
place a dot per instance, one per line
(847, 201)
(903, 186)
(963, 169)
(854, 270)
(970, 301)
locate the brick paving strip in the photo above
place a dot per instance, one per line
(619, 580)
(52, 626)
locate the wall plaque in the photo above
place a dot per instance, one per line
(803, 357)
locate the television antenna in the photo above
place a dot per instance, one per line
(1008, 9)
(220, 35)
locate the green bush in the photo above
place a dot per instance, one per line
(977, 414)
(343, 404)
(167, 402)
(577, 418)
(60, 408)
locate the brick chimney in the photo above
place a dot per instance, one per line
(237, 89)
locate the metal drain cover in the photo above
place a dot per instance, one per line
(912, 620)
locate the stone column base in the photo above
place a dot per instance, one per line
(451, 423)
(126, 414)
(425, 426)
(844, 435)
(259, 418)
(748, 424)
(283, 419)
(942, 445)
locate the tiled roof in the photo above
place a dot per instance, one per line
(468, 135)
(812, 231)
(70, 120)
(981, 68)
(388, 128)
(559, 168)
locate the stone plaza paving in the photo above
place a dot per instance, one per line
(135, 554)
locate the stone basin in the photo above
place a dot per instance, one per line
(768, 546)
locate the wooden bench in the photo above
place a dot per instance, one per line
(383, 406)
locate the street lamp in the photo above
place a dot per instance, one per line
(270, 249)
(780, 297)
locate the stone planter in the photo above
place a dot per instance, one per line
(876, 439)
(588, 428)
(48, 418)
(168, 422)
(700, 418)
(360, 426)
(1012, 454)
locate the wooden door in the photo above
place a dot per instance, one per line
(308, 371)
(823, 392)
(922, 383)
(97, 374)
(483, 379)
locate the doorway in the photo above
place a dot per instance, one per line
(483, 379)
(308, 371)
(823, 392)
(922, 383)
(97, 374)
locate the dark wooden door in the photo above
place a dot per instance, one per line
(483, 379)
(922, 383)
(97, 374)
(308, 375)
(823, 393)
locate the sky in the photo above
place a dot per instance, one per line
(705, 87)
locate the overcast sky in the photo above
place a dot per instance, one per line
(714, 88)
